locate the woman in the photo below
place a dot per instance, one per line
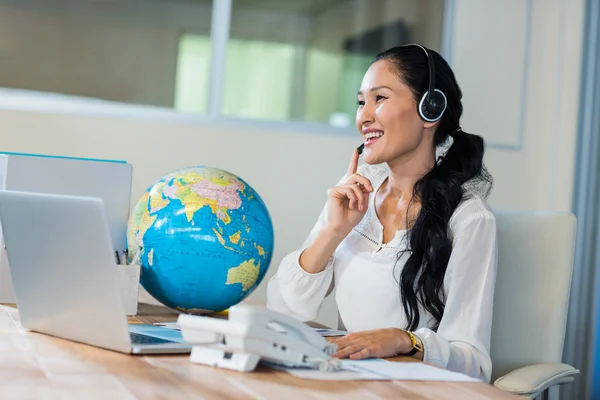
(410, 247)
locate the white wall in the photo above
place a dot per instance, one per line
(292, 171)
(518, 63)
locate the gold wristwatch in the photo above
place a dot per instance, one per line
(417, 344)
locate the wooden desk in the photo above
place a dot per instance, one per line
(37, 366)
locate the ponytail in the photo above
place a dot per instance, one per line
(439, 192)
(459, 172)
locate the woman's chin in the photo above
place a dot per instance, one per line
(376, 160)
(371, 159)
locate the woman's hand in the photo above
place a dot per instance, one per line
(347, 203)
(346, 206)
(378, 343)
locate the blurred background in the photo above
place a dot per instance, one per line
(267, 90)
(305, 57)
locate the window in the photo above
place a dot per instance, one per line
(249, 72)
(273, 60)
(193, 66)
(303, 60)
(123, 51)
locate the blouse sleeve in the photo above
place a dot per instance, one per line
(294, 291)
(462, 340)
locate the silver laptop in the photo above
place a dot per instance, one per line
(65, 276)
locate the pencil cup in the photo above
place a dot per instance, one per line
(129, 279)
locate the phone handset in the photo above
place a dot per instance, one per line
(255, 333)
(281, 323)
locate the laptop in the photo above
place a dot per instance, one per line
(65, 277)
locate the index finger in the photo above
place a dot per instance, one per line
(353, 164)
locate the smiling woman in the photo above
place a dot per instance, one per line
(411, 248)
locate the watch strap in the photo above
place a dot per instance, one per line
(417, 345)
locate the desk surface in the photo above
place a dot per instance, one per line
(34, 366)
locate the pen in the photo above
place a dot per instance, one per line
(124, 258)
(117, 257)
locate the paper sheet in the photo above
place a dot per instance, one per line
(378, 369)
(329, 332)
(168, 325)
(320, 331)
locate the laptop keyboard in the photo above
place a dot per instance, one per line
(138, 338)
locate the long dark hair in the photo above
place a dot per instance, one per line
(440, 191)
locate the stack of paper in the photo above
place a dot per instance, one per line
(320, 331)
(330, 332)
(379, 369)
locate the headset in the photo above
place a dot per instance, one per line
(433, 102)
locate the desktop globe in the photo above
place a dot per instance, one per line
(203, 238)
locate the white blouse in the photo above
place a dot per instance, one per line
(365, 275)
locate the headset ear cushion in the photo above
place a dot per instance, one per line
(437, 102)
(432, 109)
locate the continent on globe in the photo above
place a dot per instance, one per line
(142, 220)
(195, 192)
(246, 274)
(158, 202)
(204, 238)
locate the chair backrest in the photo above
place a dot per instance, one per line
(535, 264)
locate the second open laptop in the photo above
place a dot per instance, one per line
(65, 277)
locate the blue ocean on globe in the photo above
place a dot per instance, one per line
(203, 237)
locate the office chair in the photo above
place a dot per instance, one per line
(535, 264)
